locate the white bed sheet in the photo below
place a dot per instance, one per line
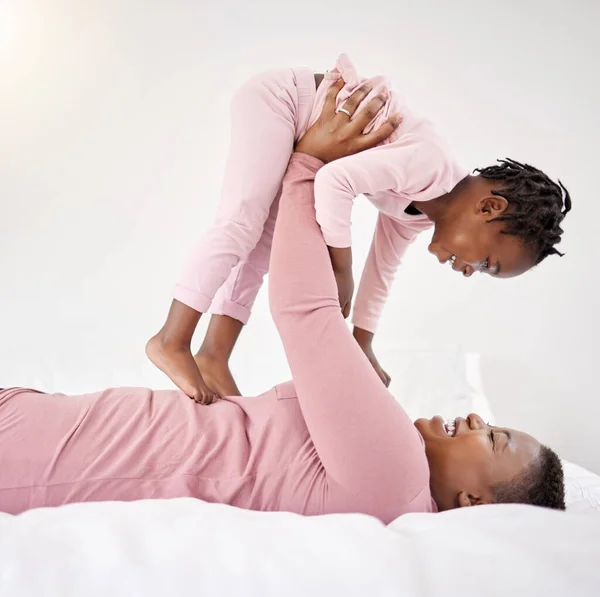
(189, 548)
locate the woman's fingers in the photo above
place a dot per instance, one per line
(381, 134)
(347, 109)
(359, 121)
(330, 99)
(337, 134)
(368, 113)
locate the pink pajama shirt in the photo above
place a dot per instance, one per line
(269, 114)
(332, 441)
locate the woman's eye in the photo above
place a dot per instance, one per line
(486, 264)
(492, 440)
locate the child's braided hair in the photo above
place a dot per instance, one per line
(538, 205)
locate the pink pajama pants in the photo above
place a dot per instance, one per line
(226, 269)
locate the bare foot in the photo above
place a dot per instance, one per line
(178, 364)
(216, 374)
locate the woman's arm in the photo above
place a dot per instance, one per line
(364, 439)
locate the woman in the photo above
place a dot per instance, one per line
(334, 440)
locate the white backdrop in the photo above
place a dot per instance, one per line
(113, 135)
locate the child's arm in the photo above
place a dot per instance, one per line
(408, 166)
(390, 241)
(403, 166)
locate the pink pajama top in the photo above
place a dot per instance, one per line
(334, 440)
(413, 164)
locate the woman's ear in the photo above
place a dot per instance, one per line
(492, 206)
(465, 499)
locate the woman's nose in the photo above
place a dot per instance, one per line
(475, 421)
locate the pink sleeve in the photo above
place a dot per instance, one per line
(365, 440)
(390, 241)
(407, 167)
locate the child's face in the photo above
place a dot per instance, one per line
(470, 242)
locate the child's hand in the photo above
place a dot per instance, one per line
(365, 341)
(345, 283)
(385, 378)
(338, 133)
(341, 262)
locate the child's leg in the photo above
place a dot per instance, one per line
(231, 310)
(213, 357)
(233, 303)
(170, 351)
(263, 130)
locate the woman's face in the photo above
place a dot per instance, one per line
(468, 459)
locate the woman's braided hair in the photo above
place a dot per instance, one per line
(538, 204)
(542, 484)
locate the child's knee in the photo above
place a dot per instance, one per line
(252, 90)
(265, 92)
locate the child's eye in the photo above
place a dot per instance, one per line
(486, 264)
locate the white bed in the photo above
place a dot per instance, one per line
(187, 547)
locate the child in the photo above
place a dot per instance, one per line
(501, 222)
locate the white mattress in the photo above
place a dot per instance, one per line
(189, 548)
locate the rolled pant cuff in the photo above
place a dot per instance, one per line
(192, 299)
(233, 310)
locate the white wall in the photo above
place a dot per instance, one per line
(113, 133)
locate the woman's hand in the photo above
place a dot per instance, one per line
(335, 134)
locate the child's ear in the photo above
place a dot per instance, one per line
(492, 206)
